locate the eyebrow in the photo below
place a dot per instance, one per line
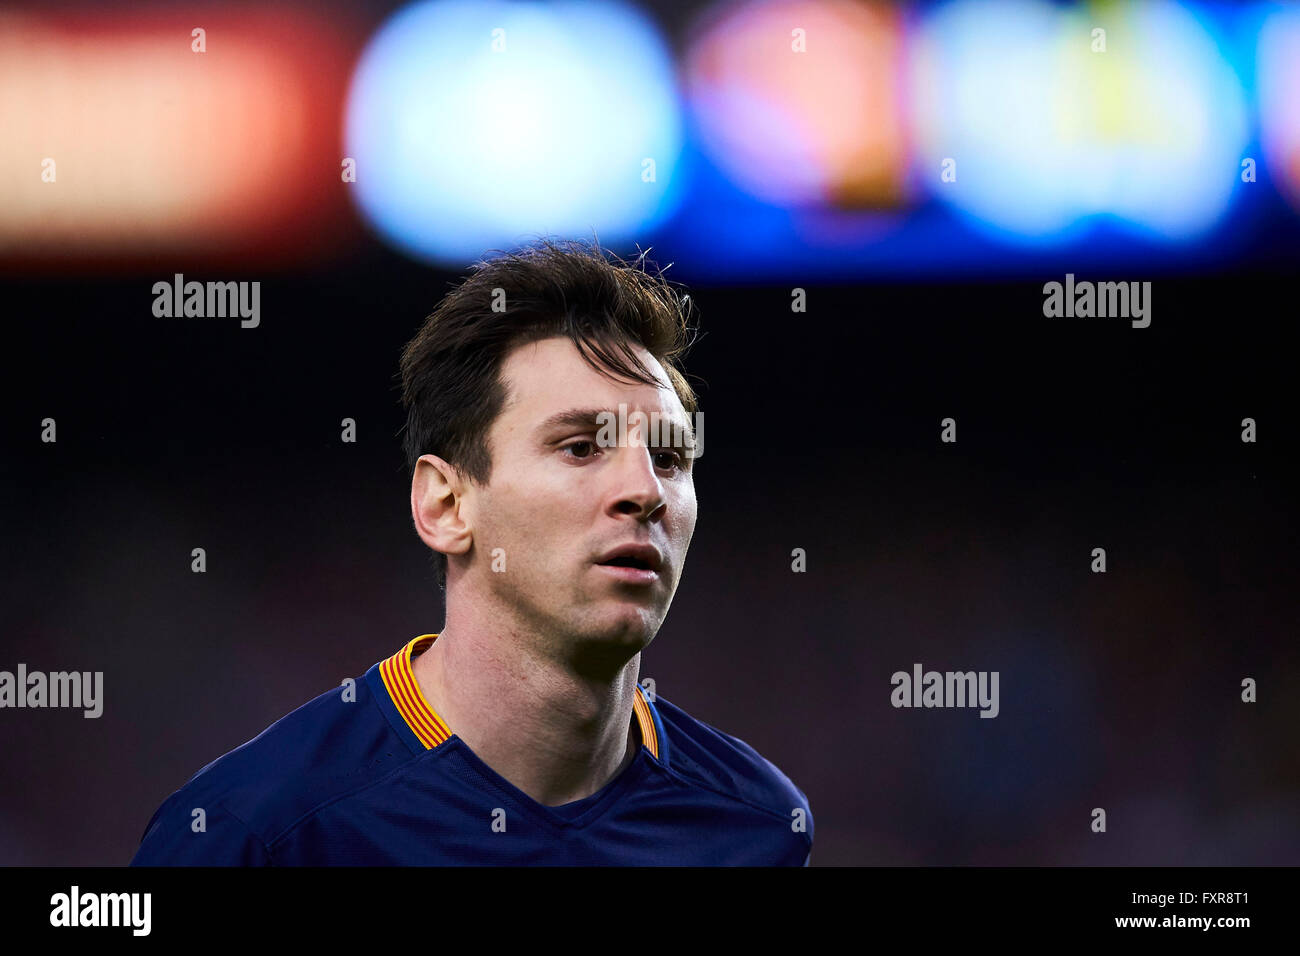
(589, 418)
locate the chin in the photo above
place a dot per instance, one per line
(629, 625)
(605, 646)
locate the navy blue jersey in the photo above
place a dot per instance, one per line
(371, 776)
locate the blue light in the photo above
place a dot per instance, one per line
(1049, 131)
(477, 124)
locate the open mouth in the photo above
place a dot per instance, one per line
(626, 569)
(627, 562)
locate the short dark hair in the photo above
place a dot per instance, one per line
(450, 370)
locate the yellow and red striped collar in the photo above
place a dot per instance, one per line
(431, 730)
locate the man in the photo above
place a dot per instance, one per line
(519, 733)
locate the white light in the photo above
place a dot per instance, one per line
(475, 124)
(1047, 132)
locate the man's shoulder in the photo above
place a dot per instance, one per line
(337, 742)
(725, 764)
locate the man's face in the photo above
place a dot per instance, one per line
(557, 502)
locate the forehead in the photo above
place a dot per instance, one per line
(549, 375)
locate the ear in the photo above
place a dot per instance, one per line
(437, 497)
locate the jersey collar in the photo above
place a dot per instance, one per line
(431, 730)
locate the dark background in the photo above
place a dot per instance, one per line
(1118, 690)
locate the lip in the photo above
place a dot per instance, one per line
(647, 554)
(630, 575)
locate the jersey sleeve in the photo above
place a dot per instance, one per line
(180, 836)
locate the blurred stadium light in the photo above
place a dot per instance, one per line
(475, 124)
(1060, 152)
(1278, 78)
(826, 126)
(122, 141)
(1046, 129)
(789, 137)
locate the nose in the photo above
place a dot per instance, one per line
(638, 490)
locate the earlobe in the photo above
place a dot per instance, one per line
(460, 542)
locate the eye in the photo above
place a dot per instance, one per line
(675, 460)
(585, 449)
(580, 445)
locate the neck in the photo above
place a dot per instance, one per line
(559, 726)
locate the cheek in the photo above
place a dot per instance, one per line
(540, 527)
(496, 523)
(688, 512)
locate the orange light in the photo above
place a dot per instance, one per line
(123, 143)
(800, 102)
